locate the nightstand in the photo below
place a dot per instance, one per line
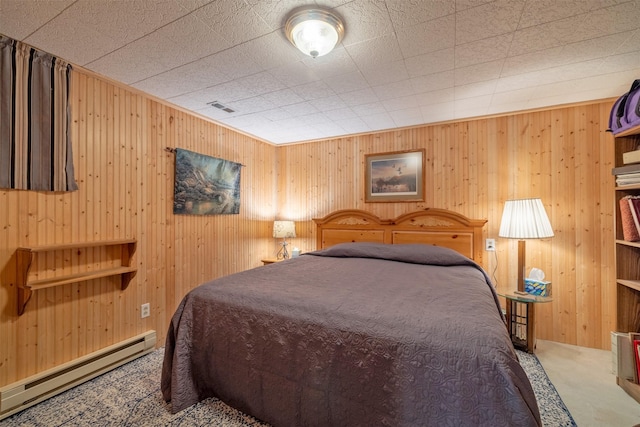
(521, 320)
(268, 261)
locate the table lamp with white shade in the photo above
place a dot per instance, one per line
(524, 219)
(282, 230)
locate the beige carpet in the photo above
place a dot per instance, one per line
(583, 377)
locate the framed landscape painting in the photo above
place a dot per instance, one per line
(395, 177)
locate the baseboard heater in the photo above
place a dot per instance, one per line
(25, 393)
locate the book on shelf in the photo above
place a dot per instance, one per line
(631, 157)
(636, 353)
(627, 179)
(635, 168)
(630, 232)
(634, 204)
(622, 351)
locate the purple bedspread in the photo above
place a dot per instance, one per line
(359, 334)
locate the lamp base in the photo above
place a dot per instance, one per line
(521, 267)
(283, 253)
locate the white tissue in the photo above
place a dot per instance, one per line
(536, 274)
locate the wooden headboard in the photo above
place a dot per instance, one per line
(430, 226)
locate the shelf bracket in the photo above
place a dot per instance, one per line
(24, 260)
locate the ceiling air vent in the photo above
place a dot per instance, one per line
(219, 106)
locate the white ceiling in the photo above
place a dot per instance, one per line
(401, 62)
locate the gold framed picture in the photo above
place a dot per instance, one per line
(394, 177)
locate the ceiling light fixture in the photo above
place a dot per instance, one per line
(315, 32)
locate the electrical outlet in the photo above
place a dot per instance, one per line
(145, 310)
(490, 245)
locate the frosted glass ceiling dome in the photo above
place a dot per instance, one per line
(315, 32)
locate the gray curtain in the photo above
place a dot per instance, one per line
(35, 145)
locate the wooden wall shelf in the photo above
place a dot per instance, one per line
(25, 257)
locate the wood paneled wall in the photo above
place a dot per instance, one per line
(564, 156)
(126, 191)
(125, 179)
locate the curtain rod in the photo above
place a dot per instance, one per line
(173, 150)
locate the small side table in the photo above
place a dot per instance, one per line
(521, 319)
(268, 261)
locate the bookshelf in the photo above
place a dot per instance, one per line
(627, 255)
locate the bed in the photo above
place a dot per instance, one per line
(389, 322)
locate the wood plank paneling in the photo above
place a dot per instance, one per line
(564, 156)
(126, 182)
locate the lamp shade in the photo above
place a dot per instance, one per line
(315, 32)
(284, 229)
(525, 219)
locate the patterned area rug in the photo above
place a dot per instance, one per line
(130, 396)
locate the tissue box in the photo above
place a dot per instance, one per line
(537, 287)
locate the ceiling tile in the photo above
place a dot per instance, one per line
(300, 109)
(385, 73)
(228, 92)
(375, 51)
(126, 21)
(623, 62)
(276, 114)
(337, 63)
(347, 82)
(273, 12)
(467, 4)
(261, 83)
(295, 74)
(438, 112)
(433, 82)
(364, 20)
(313, 90)
(80, 46)
(353, 125)
(487, 20)
(378, 121)
(473, 90)
(230, 62)
(283, 97)
(270, 51)
(328, 103)
(194, 37)
(478, 72)
(407, 117)
(545, 36)
(341, 114)
(139, 66)
(631, 44)
(442, 96)
(430, 63)
(474, 106)
(234, 20)
(394, 90)
(600, 47)
(402, 103)
(181, 80)
(533, 61)
(358, 97)
(543, 11)
(251, 105)
(409, 13)
(612, 20)
(429, 37)
(484, 50)
(511, 97)
(364, 110)
(12, 13)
